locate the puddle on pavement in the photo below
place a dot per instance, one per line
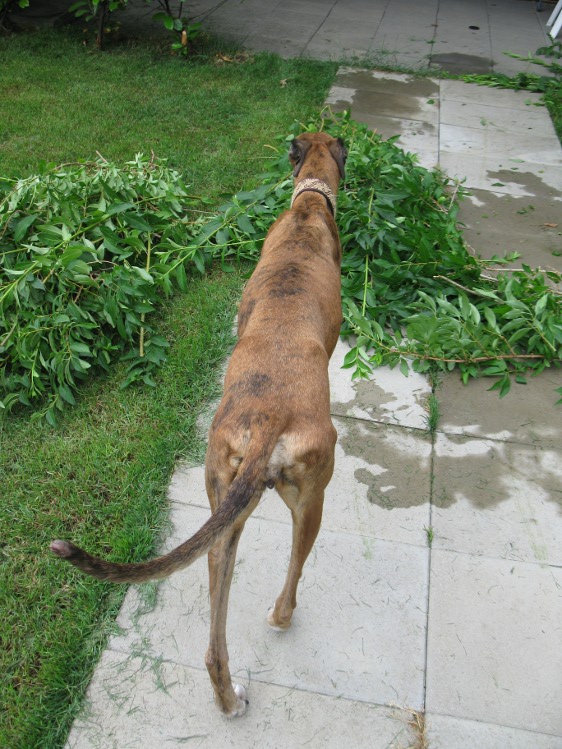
(534, 184)
(484, 472)
(456, 62)
(369, 398)
(391, 84)
(384, 399)
(399, 458)
(402, 97)
(394, 465)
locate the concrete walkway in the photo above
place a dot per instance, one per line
(459, 36)
(395, 641)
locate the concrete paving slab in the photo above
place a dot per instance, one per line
(354, 44)
(527, 414)
(516, 31)
(415, 136)
(530, 121)
(381, 484)
(495, 642)
(498, 499)
(520, 149)
(137, 702)
(504, 63)
(455, 58)
(272, 24)
(463, 29)
(368, 15)
(369, 645)
(497, 174)
(383, 397)
(403, 33)
(340, 97)
(410, 28)
(496, 224)
(418, 61)
(413, 41)
(353, 30)
(487, 96)
(383, 105)
(444, 732)
(473, 36)
(325, 50)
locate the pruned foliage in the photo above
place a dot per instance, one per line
(89, 251)
(411, 288)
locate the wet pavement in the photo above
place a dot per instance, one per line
(462, 36)
(433, 596)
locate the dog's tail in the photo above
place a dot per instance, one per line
(241, 499)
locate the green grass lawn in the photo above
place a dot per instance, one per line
(100, 478)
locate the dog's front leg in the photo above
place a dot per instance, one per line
(230, 698)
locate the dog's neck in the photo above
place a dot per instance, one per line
(316, 185)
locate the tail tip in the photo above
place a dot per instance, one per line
(62, 549)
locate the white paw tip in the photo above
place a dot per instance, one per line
(240, 692)
(273, 626)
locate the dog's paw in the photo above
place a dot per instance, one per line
(243, 703)
(275, 625)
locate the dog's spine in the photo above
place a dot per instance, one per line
(241, 499)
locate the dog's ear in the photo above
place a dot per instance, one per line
(339, 152)
(297, 154)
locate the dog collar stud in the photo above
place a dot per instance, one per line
(316, 185)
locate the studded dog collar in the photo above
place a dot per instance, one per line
(316, 185)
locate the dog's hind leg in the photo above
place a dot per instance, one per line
(306, 504)
(230, 698)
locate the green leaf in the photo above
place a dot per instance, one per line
(208, 230)
(119, 208)
(66, 394)
(181, 277)
(490, 317)
(85, 278)
(350, 359)
(540, 306)
(50, 417)
(71, 253)
(199, 260)
(245, 224)
(80, 348)
(136, 221)
(79, 267)
(144, 274)
(22, 226)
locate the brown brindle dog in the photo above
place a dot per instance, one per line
(272, 427)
